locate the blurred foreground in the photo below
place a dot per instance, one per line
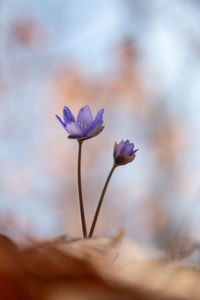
(110, 268)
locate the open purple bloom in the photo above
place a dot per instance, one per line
(84, 127)
(124, 152)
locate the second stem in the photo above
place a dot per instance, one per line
(101, 201)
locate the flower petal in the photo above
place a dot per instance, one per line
(67, 115)
(95, 129)
(117, 148)
(128, 149)
(99, 117)
(84, 117)
(134, 151)
(97, 123)
(61, 121)
(120, 148)
(74, 129)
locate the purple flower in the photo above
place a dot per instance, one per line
(84, 127)
(124, 152)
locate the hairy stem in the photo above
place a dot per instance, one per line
(101, 201)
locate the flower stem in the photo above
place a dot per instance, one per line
(84, 229)
(101, 201)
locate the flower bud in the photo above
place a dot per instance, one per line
(124, 153)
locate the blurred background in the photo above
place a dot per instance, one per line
(140, 60)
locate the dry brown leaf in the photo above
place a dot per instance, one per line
(107, 268)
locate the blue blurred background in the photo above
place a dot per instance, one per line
(140, 60)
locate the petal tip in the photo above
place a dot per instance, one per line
(61, 121)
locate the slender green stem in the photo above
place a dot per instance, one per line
(101, 201)
(84, 229)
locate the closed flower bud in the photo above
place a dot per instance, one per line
(124, 153)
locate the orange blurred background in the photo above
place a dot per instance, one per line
(137, 59)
